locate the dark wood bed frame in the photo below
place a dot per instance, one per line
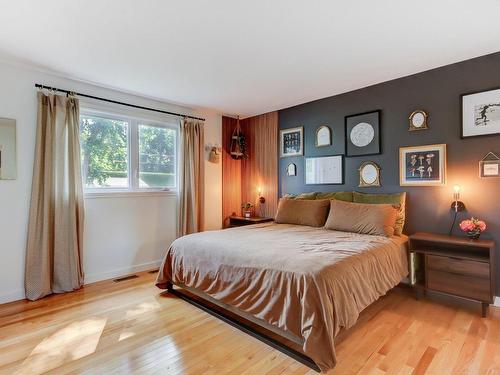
(242, 324)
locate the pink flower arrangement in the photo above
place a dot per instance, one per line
(473, 227)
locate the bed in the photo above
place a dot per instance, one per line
(302, 282)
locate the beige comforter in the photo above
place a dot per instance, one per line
(306, 281)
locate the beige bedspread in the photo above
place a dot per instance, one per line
(306, 281)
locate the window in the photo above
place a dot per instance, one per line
(126, 154)
(156, 156)
(104, 143)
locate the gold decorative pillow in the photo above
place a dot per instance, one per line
(374, 219)
(302, 212)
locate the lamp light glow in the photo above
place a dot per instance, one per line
(456, 206)
(261, 198)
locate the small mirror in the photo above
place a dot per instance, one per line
(323, 136)
(418, 120)
(291, 170)
(369, 174)
(7, 149)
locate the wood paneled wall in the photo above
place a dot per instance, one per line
(242, 178)
(231, 174)
(261, 167)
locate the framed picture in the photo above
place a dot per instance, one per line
(292, 142)
(323, 136)
(363, 134)
(291, 170)
(422, 165)
(489, 166)
(325, 170)
(8, 163)
(369, 174)
(481, 113)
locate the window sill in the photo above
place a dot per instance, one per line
(129, 194)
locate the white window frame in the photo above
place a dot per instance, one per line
(133, 188)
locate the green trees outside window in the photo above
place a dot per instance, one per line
(105, 149)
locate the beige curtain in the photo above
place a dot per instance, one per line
(191, 177)
(55, 229)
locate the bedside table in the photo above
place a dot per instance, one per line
(239, 221)
(455, 266)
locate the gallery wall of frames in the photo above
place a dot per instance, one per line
(421, 134)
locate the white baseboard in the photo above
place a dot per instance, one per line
(94, 277)
(496, 302)
(12, 296)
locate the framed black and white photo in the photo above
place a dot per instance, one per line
(489, 166)
(481, 113)
(324, 170)
(422, 165)
(292, 142)
(323, 136)
(363, 134)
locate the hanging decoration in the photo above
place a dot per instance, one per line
(238, 149)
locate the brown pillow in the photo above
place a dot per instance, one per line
(302, 212)
(375, 219)
(397, 200)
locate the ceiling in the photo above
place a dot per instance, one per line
(241, 56)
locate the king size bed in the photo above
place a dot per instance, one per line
(303, 282)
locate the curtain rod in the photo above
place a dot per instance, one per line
(37, 85)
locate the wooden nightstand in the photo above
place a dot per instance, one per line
(238, 221)
(455, 266)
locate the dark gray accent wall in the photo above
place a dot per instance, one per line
(438, 93)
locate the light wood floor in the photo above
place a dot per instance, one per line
(133, 328)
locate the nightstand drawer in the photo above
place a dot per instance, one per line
(458, 266)
(460, 285)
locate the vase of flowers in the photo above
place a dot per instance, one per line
(247, 209)
(473, 227)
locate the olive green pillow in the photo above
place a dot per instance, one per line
(374, 219)
(301, 196)
(396, 199)
(302, 212)
(345, 196)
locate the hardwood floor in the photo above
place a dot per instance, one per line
(132, 328)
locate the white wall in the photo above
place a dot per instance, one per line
(123, 234)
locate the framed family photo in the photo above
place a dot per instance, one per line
(292, 142)
(422, 165)
(481, 113)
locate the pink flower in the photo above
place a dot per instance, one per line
(482, 225)
(466, 225)
(473, 224)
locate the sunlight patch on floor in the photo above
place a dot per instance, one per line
(125, 335)
(142, 308)
(70, 343)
